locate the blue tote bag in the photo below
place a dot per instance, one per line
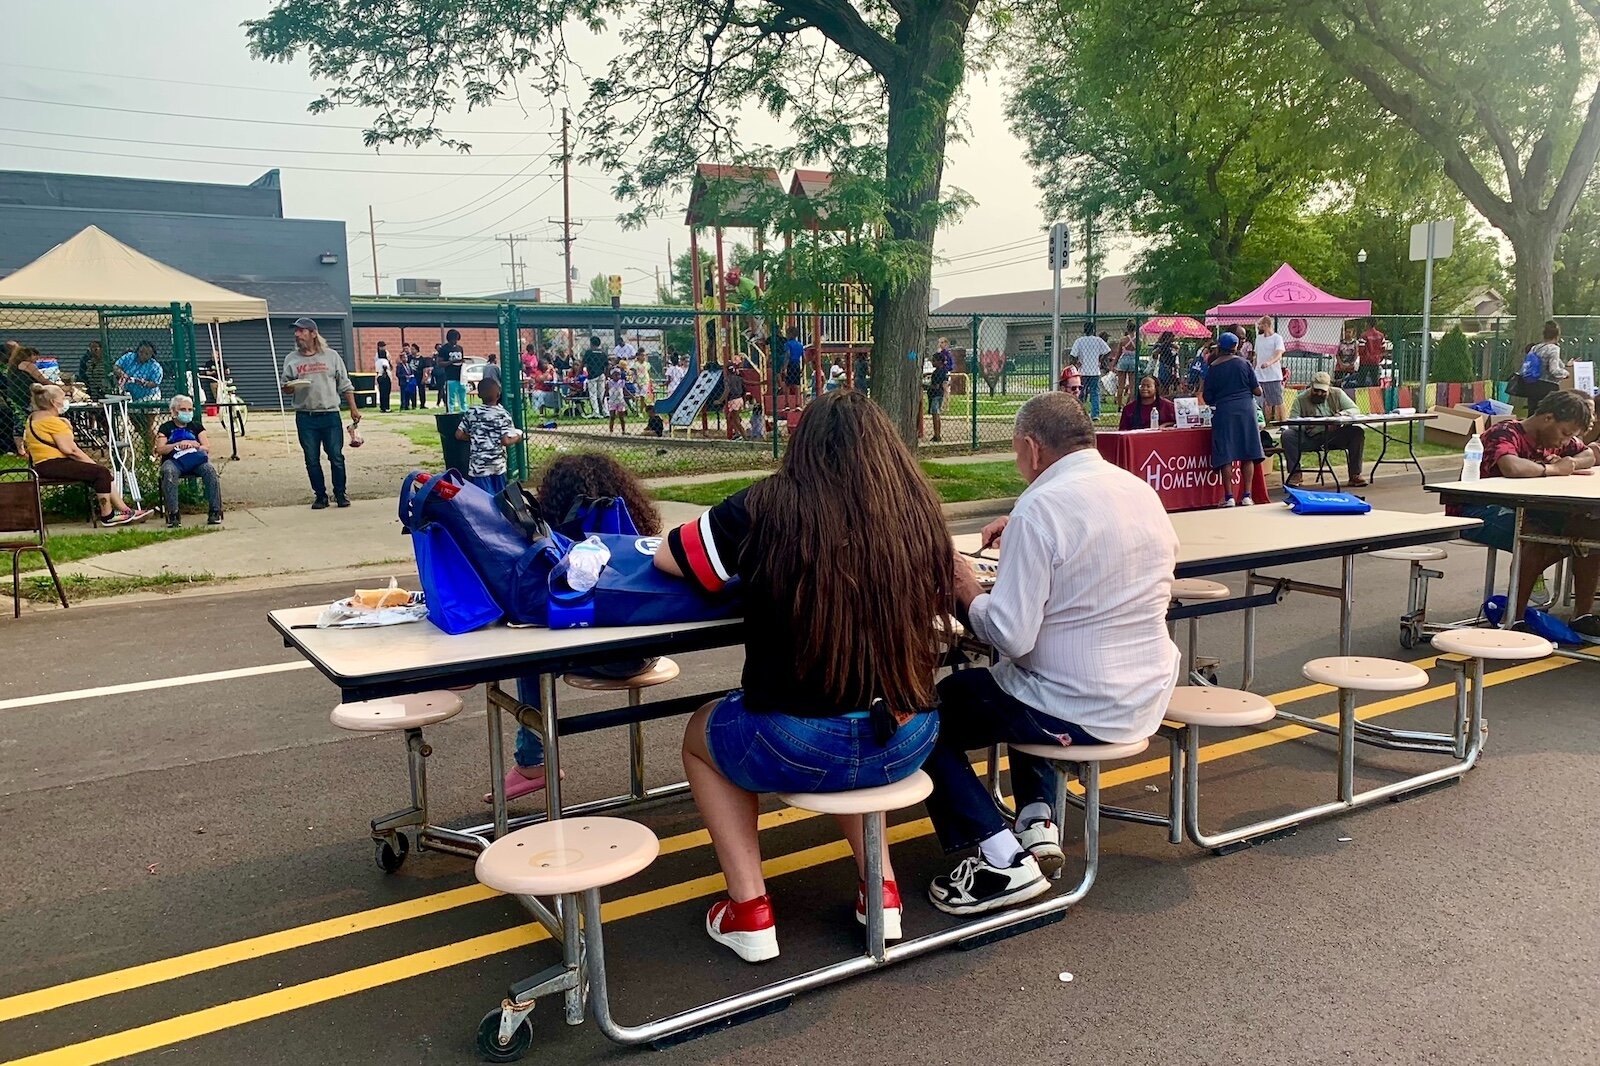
(631, 591)
(457, 599)
(1304, 501)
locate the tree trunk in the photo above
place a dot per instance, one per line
(919, 110)
(1534, 245)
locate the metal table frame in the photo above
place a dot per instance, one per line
(1382, 424)
(1520, 496)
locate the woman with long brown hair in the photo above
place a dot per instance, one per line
(845, 566)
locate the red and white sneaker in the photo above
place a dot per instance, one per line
(891, 908)
(747, 928)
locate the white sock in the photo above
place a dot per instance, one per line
(1001, 849)
(1033, 812)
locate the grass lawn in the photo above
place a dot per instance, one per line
(38, 589)
(71, 547)
(955, 483)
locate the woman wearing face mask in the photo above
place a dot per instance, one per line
(184, 451)
(56, 456)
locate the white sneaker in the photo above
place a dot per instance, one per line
(1042, 840)
(975, 887)
(1227, 501)
(1247, 502)
(747, 929)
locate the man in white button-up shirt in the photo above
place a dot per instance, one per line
(1078, 614)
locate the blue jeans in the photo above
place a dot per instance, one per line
(974, 712)
(493, 484)
(530, 750)
(784, 753)
(322, 431)
(171, 476)
(1091, 394)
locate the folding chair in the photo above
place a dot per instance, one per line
(22, 512)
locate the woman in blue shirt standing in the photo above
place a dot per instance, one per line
(1230, 387)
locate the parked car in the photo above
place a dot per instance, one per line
(472, 372)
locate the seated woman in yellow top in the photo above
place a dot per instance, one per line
(55, 455)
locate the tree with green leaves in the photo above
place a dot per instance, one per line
(866, 87)
(1504, 93)
(1576, 288)
(599, 291)
(1189, 135)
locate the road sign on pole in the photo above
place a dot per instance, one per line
(1060, 252)
(1429, 241)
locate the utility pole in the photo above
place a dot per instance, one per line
(566, 202)
(372, 232)
(515, 264)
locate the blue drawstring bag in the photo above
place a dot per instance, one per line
(457, 599)
(631, 591)
(1304, 501)
(598, 514)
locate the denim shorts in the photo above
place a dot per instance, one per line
(784, 753)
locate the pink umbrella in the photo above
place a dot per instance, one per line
(1180, 325)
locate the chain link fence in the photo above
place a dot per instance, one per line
(120, 367)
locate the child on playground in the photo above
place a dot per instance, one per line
(488, 429)
(616, 401)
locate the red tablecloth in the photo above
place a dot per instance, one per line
(1176, 463)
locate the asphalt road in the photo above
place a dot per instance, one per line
(140, 827)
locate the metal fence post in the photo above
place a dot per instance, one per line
(772, 374)
(511, 388)
(973, 367)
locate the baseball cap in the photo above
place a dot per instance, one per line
(1227, 342)
(1321, 380)
(305, 323)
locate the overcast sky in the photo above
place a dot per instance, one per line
(437, 212)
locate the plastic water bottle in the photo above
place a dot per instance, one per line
(1155, 417)
(1472, 459)
(584, 562)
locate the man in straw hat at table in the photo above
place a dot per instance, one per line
(315, 376)
(1324, 400)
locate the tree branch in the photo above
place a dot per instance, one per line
(1580, 165)
(844, 26)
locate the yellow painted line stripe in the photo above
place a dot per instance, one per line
(336, 986)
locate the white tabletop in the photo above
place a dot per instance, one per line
(1573, 489)
(1357, 419)
(388, 656)
(1231, 539)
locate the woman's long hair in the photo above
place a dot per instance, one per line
(849, 530)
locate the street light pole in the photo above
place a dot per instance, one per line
(1361, 262)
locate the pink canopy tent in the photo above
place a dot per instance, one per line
(1309, 317)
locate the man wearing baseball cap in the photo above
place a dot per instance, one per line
(1323, 400)
(315, 377)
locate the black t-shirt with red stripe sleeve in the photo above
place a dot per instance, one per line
(711, 551)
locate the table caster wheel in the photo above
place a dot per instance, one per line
(489, 1045)
(389, 855)
(1408, 637)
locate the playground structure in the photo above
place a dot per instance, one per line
(732, 332)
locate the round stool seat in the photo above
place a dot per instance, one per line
(567, 855)
(1417, 553)
(891, 797)
(411, 711)
(1364, 673)
(1197, 588)
(1082, 752)
(659, 673)
(1207, 705)
(1492, 644)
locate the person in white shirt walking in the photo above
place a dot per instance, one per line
(1269, 370)
(1087, 352)
(1078, 614)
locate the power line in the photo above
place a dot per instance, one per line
(256, 166)
(235, 119)
(370, 154)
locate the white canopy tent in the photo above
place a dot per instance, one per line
(93, 270)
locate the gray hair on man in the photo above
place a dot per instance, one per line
(1057, 422)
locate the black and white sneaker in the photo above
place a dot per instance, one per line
(1588, 627)
(1042, 840)
(975, 887)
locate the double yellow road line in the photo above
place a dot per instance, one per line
(214, 1019)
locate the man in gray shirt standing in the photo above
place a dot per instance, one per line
(316, 378)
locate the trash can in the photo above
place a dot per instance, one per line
(456, 452)
(365, 386)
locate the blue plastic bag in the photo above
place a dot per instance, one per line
(457, 599)
(1304, 501)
